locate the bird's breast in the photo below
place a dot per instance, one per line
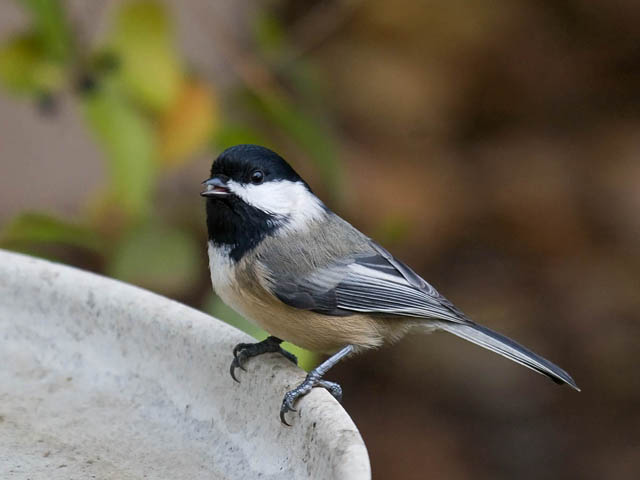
(233, 284)
(222, 268)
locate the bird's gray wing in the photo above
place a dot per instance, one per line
(374, 283)
(377, 283)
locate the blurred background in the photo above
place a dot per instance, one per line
(492, 145)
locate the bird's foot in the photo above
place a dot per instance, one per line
(312, 380)
(243, 351)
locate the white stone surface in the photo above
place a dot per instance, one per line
(99, 379)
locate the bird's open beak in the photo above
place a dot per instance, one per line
(215, 187)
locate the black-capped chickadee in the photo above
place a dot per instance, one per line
(286, 262)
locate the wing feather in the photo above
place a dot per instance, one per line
(373, 283)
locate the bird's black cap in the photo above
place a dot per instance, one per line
(240, 161)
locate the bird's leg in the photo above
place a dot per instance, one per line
(244, 351)
(314, 379)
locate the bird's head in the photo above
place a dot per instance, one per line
(253, 191)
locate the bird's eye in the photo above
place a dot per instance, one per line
(257, 177)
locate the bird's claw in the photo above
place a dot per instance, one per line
(243, 351)
(239, 347)
(289, 356)
(232, 369)
(287, 405)
(334, 389)
(305, 387)
(240, 355)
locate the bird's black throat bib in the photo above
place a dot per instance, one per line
(234, 224)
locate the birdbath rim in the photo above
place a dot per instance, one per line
(105, 378)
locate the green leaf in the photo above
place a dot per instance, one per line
(129, 143)
(143, 39)
(214, 306)
(155, 256)
(25, 69)
(30, 228)
(51, 27)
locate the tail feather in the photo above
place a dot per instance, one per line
(508, 348)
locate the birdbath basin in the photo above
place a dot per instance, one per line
(100, 379)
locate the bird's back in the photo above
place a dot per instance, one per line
(320, 244)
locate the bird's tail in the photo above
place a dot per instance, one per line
(508, 348)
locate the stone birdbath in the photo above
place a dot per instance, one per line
(100, 379)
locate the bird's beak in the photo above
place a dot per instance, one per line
(215, 187)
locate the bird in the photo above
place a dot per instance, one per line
(282, 259)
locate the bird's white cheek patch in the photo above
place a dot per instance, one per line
(290, 200)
